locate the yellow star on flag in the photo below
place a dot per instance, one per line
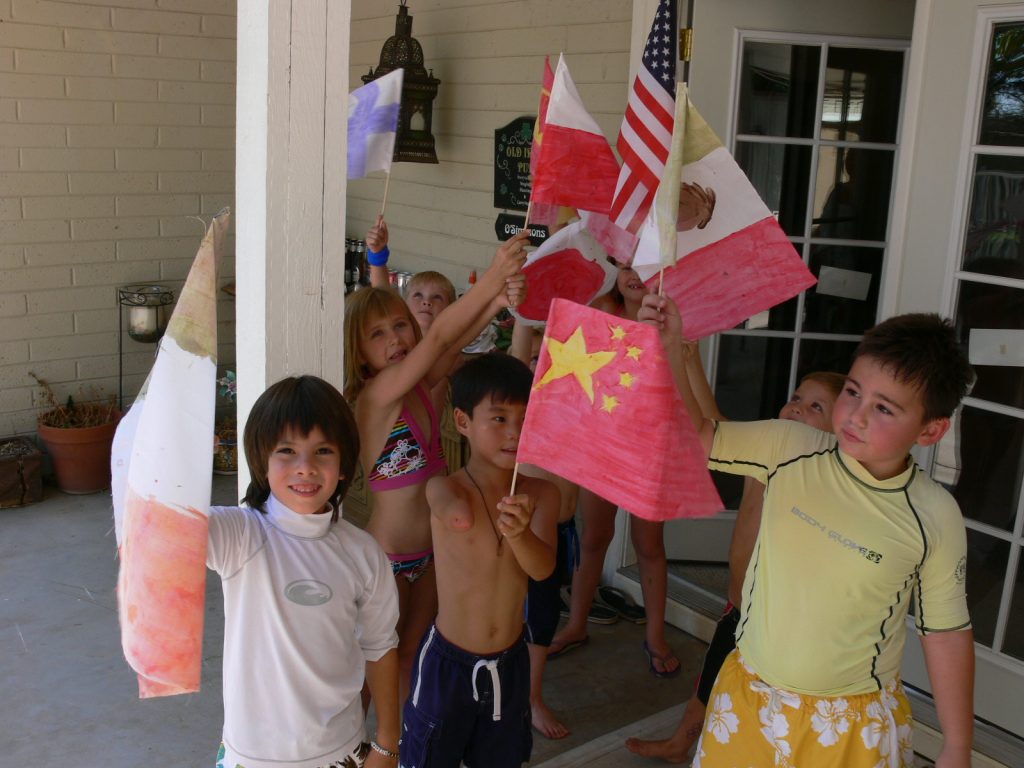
(609, 403)
(618, 332)
(571, 358)
(627, 380)
(634, 353)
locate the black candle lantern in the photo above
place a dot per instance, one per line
(414, 142)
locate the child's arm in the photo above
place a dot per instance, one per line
(424, 361)
(377, 244)
(699, 383)
(529, 528)
(522, 342)
(662, 313)
(950, 660)
(382, 680)
(448, 504)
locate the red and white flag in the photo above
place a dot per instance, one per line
(575, 166)
(646, 132)
(605, 413)
(725, 256)
(568, 265)
(543, 213)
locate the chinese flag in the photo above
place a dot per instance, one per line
(605, 413)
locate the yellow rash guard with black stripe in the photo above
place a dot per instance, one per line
(838, 557)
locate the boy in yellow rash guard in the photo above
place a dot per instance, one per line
(851, 529)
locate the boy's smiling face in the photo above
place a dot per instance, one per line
(303, 471)
(878, 418)
(493, 430)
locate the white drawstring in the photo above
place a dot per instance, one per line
(419, 667)
(492, 667)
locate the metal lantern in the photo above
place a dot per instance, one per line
(148, 308)
(414, 142)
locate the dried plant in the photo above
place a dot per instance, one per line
(94, 412)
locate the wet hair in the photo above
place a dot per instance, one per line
(423, 278)
(300, 404)
(363, 307)
(921, 350)
(497, 376)
(830, 380)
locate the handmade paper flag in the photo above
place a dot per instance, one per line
(569, 265)
(646, 132)
(732, 258)
(605, 413)
(161, 476)
(575, 166)
(617, 242)
(543, 213)
(373, 124)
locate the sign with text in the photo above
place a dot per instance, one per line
(512, 145)
(508, 225)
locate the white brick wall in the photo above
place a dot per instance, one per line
(116, 131)
(489, 56)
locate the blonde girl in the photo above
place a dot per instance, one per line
(391, 369)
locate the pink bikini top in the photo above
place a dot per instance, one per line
(407, 458)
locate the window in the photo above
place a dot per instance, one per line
(816, 130)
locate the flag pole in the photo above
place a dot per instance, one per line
(515, 474)
(384, 202)
(661, 281)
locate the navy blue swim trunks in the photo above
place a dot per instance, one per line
(466, 708)
(543, 603)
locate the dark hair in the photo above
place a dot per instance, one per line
(299, 403)
(501, 377)
(921, 349)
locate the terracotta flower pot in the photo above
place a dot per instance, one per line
(81, 455)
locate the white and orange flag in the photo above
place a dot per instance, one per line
(605, 413)
(161, 467)
(725, 256)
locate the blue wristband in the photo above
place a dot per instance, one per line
(378, 258)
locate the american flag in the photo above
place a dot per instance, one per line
(646, 132)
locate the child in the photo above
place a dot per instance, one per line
(543, 599)
(470, 699)
(309, 602)
(598, 517)
(812, 404)
(427, 294)
(851, 529)
(392, 375)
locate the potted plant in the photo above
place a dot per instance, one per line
(78, 435)
(225, 451)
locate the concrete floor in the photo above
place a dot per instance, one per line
(68, 696)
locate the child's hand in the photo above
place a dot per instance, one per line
(510, 257)
(662, 313)
(515, 291)
(377, 236)
(515, 513)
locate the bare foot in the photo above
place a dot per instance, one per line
(676, 748)
(563, 643)
(660, 748)
(544, 720)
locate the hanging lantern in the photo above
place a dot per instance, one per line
(414, 142)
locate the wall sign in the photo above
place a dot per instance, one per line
(508, 225)
(512, 144)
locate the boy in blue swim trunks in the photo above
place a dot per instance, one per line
(470, 700)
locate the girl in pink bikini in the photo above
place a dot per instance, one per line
(390, 372)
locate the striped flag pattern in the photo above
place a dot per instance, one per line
(646, 133)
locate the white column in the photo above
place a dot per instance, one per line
(290, 164)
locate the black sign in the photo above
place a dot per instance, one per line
(512, 164)
(509, 225)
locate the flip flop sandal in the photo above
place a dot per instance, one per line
(572, 645)
(624, 605)
(663, 660)
(599, 613)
